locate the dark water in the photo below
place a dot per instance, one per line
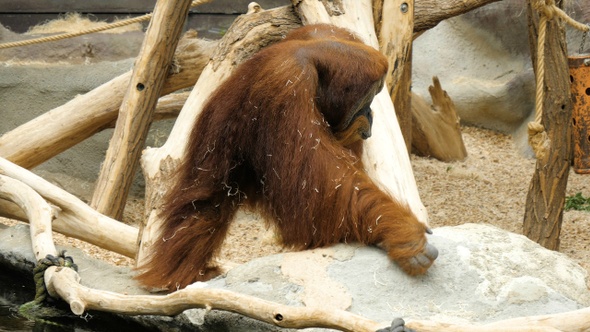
(16, 290)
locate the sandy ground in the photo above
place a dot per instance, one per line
(489, 187)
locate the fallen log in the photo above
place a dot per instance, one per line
(65, 284)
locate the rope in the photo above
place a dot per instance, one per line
(37, 309)
(119, 24)
(538, 138)
(39, 272)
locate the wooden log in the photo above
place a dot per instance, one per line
(546, 197)
(71, 223)
(76, 219)
(168, 107)
(394, 26)
(65, 284)
(436, 128)
(402, 102)
(385, 156)
(63, 127)
(572, 321)
(137, 110)
(428, 13)
(39, 214)
(395, 38)
(10, 210)
(245, 37)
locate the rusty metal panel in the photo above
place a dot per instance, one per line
(580, 85)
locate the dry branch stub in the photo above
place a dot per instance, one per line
(436, 128)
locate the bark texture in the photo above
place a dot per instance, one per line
(545, 200)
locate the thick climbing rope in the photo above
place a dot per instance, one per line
(547, 9)
(39, 272)
(118, 24)
(36, 309)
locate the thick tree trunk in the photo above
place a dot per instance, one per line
(394, 26)
(137, 110)
(402, 102)
(429, 13)
(546, 196)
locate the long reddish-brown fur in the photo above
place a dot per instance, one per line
(266, 139)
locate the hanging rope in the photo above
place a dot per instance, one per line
(547, 9)
(119, 24)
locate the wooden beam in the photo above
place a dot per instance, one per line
(395, 26)
(136, 112)
(546, 197)
(428, 13)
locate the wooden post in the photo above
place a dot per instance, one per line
(394, 24)
(402, 102)
(136, 112)
(395, 38)
(546, 196)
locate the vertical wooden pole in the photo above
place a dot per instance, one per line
(402, 102)
(395, 24)
(546, 196)
(137, 109)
